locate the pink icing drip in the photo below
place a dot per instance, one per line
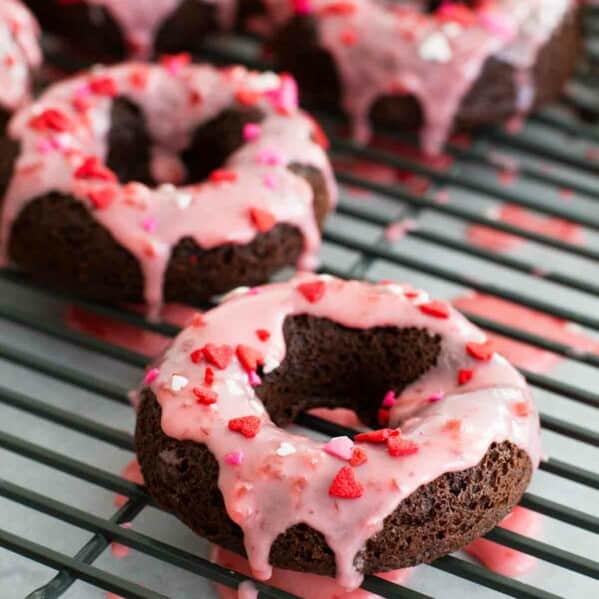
(436, 60)
(19, 53)
(504, 560)
(270, 491)
(140, 20)
(301, 584)
(212, 213)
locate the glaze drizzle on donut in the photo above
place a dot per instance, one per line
(19, 53)
(384, 48)
(140, 20)
(63, 139)
(270, 479)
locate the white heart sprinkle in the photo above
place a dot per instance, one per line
(435, 48)
(285, 449)
(178, 382)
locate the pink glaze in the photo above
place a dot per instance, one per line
(273, 490)
(520, 217)
(19, 53)
(504, 560)
(132, 473)
(213, 212)
(140, 20)
(119, 550)
(523, 355)
(301, 584)
(381, 48)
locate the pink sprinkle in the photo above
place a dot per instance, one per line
(270, 181)
(389, 400)
(234, 458)
(149, 224)
(497, 24)
(151, 375)
(435, 397)
(269, 156)
(253, 291)
(285, 98)
(340, 447)
(44, 146)
(302, 7)
(253, 378)
(251, 131)
(82, 92)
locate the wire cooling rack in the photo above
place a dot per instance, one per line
(65, 422)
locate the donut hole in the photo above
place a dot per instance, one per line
(131, 148)
(332, 366)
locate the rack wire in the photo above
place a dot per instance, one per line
(355, 246)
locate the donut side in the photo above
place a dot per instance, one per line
(95, 31)
(492, 98)
(436, 519)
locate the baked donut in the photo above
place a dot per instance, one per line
(20, 56)
(211, 449)
(116, 29)
(140, 183)
(428, 64)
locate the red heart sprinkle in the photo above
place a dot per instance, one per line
(218, 355)
(102, 198)
(208, 376)
(465, 376)
(222, 175)
(103, 86)
(263, 334)
(481, 351)
(312, 291)
(248, 426)
(345, 485)
(205, 396)
(92, 168)
(50, 120)
(452, 426)
(262, 219)
(521, 409)
(399, 447)
(247, 97)
(379, 436)
(435, 308)
(249, 357)
(196, 355)
(358, 457)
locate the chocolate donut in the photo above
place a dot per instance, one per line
(139, 183)
(19, 57)
(435, 66)
(116, 29)
(459, 444)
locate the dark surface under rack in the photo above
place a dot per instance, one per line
(556, 159)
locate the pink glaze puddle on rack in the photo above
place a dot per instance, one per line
(308, 586)
(20, 52)
(520, 217)
(504, 560)
(132, 473)
(493, 406)
(521, 354)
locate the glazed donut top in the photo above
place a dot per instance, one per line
(19, 53)
(271, 479)
(140, 20)
(382, 48)
(63, 137)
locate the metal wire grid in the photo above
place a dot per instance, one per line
(348, 254)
